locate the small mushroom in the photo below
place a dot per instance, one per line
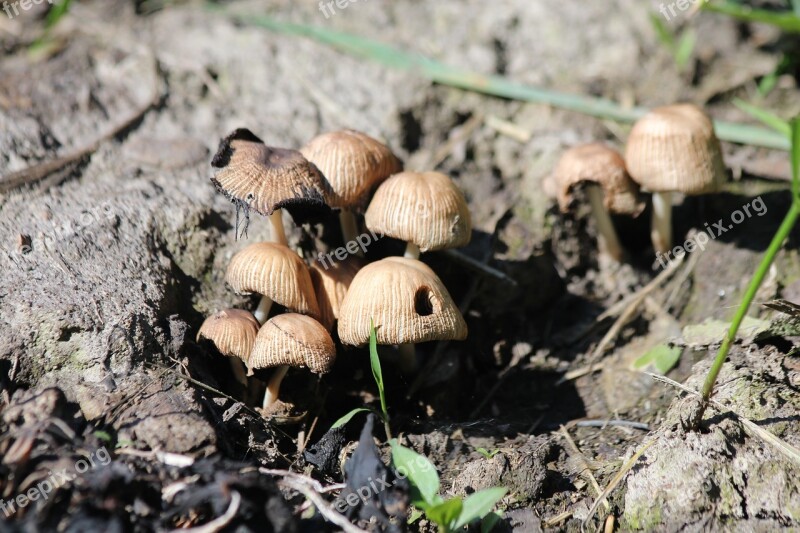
(407, 302)
(275, 272)
(233, 333)
(331, 285)
(256, 176)
(673, 149)
(425, 209)
(292, 340)
(601, 171)
(354, 164)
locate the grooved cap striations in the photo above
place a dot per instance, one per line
(264, 178)
(674, 149)
(407, 302)
(273, 270)
(597, 163)
(294, 340)
(353, 163)
(425, 208)
(331, 285)
(231, 331)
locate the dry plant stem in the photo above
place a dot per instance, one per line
(607, 235)
(661, 228)
(349, 228)
(412, 251)
(274, 386)
(278, 233)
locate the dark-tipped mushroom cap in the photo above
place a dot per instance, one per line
(273, 270)
(425, 208)
(331, 285)
(353, 163)
(674, 148)
(597, 163)
(293, 340)
(407, 302)
(260, 177)
(231, 331)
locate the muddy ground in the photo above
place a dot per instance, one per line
(111, 262)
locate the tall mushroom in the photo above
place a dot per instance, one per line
(354, 164)
(407, 302)
(673, 149)
(424, 209)
(255, 176)
(233, 333)
(331, 284)
(601, 171)
(288, 340)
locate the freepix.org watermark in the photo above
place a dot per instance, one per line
(361, 242)
(12, 9)
(329, 7)
(55, 480)
(701, 238)
(670, 10)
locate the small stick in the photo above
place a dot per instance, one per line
(586, 468)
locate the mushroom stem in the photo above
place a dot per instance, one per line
(262, 311)
(349, 228)
(408, 357)
(274, 386)
(606, 234)
(661, 223)
(239, 372)
(412, 251)
(278, 233)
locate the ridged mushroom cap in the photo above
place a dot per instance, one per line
(674, 148)
(407, 302)
(597, 163)
(231, 331)
(331, 285)
(273, 270)
(294, 340)
(425, 208)
(353, 163)
(263, 178)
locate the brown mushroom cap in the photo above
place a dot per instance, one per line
(273, 270)
(425, 208)
(674, 148)
(597, 163)
(260, 177)
(231, 331)
(331, 285)
(407, 302)
(353, 163)
(294, 340)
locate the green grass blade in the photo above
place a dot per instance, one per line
(349, 416)
(795, 135)
(498, 86)
(773, 121)
(787, 21)
(377, 373)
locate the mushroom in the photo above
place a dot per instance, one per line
(331, 285)
(354, 164)
(278, 274)
(407, 302)
(255, 176)
(288, 340)
(601, 170)
(673, 149)
(233, 333)
(425, 209)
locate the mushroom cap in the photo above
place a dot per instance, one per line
(674, 148)
(425, 208)
(597, 163)
(273, 270)
(353, 163)
(264, 178)
(331, 285)
(231, 331)
(405, 299)
(294, 340)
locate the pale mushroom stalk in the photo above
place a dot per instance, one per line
(661, 224)
(278, 232)
(262, 311)
(274, 386)
(349, 228)
(607, 235)
(412, 251)
(239, 371)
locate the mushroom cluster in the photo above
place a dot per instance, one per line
(671, 149)
(404, 299)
